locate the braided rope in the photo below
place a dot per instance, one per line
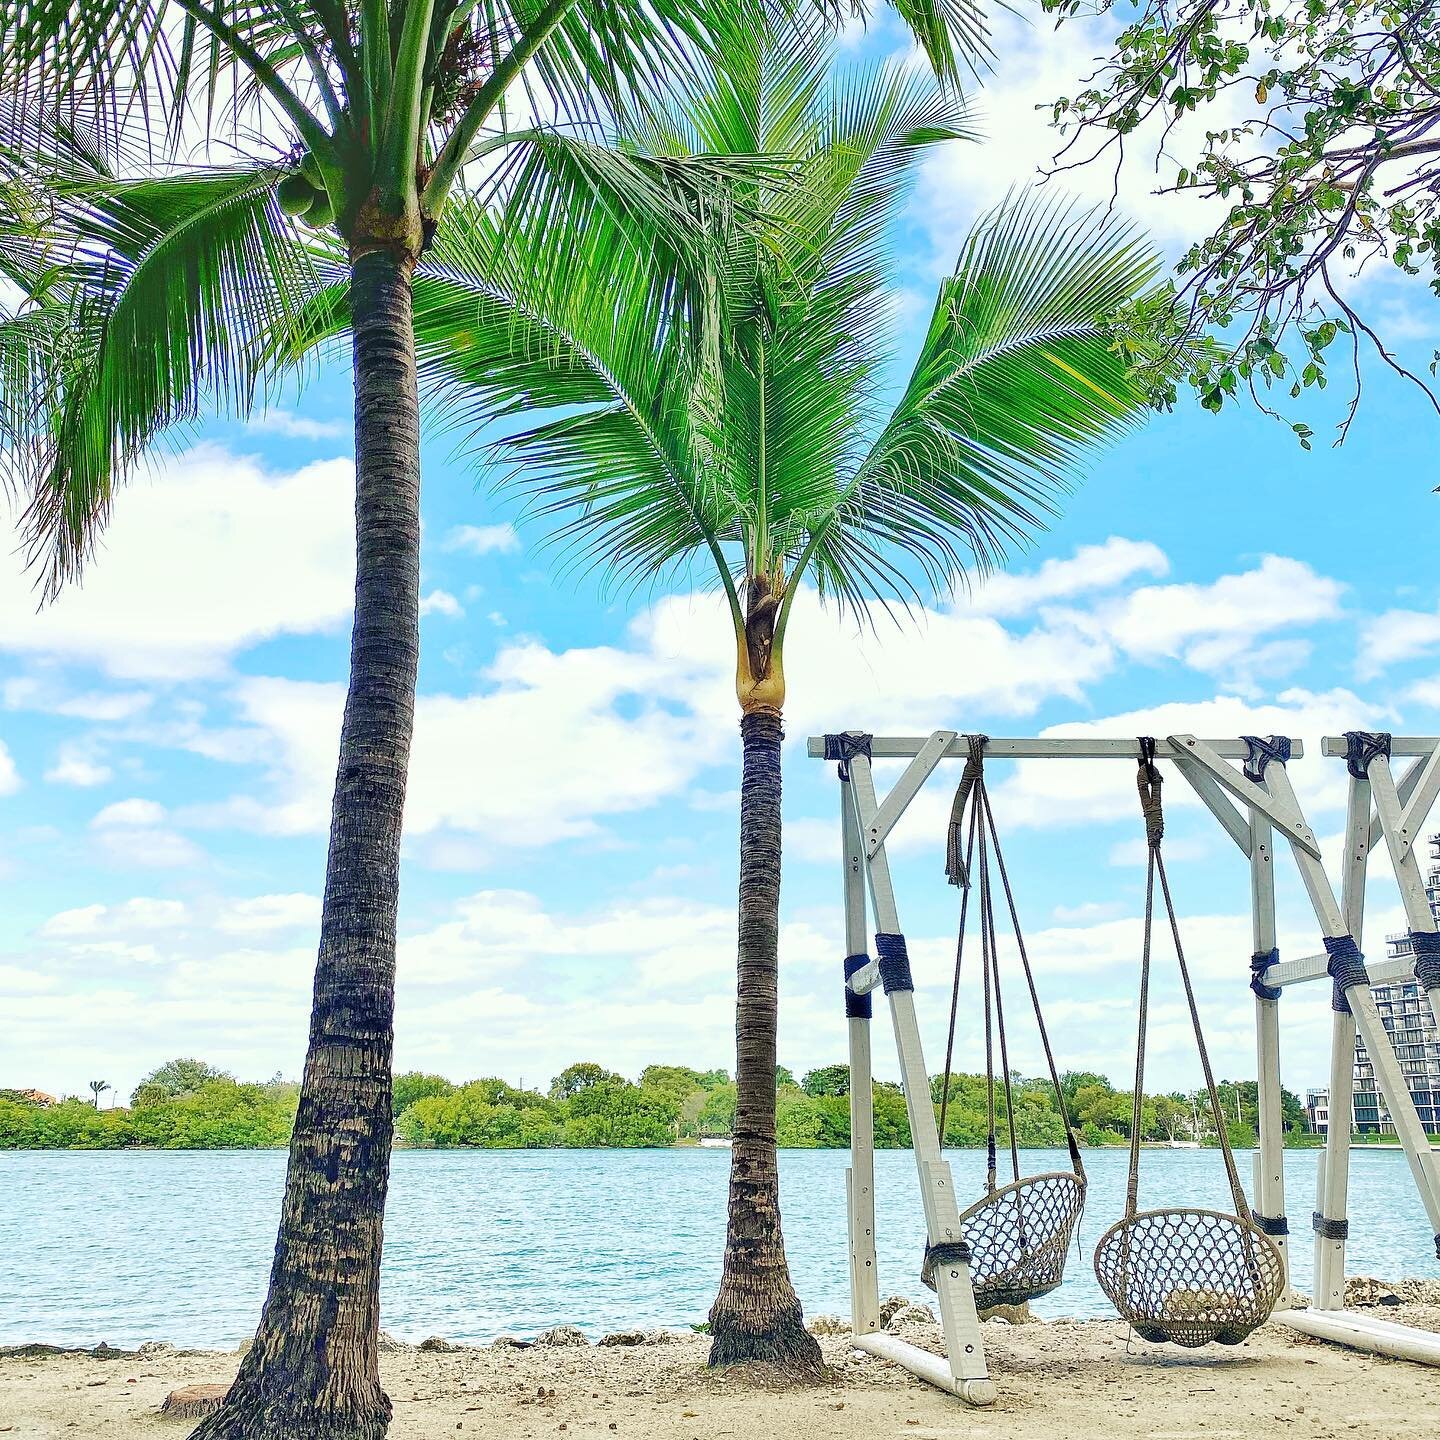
(1017, 1236)
(1426, 944)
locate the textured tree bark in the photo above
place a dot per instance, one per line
(756, 1315)
(312, 1372)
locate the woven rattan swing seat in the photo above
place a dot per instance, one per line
(1185, 1275)
(1019, 1237)
(1190, 1276)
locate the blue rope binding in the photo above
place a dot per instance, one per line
(1426, 944)
(857, 1007)
(1363, 746)
(894, 962)
(845, 747)
(1346, 968)
(1259, 964)
(1262, 751)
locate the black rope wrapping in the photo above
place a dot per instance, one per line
(1346, 968)
(1261, 751)
(857, 1007)
(1426, 944)
(947, 1252)
(1328, 1229)
(957, 870)
(894, 962)
(1149, 781)
(1271, 1224)
(1363, 746)
(1437, 1247)
(1259, 964)
(845, 747)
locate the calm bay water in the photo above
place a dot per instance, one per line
(127, 1247)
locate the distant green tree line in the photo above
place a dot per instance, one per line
(183, 1105)
(187, 1104)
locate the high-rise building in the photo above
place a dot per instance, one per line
(1405, 1011)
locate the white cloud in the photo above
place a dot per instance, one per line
(9, 775)
(30, 692)
(151, 849)
(76, 765)
(1395, 636)
(297, 427)
(1090, 568)
(208, 556)
(556, 741)
(142, 914)
(1211, 626)
(266, 913)
(441, 602)
(482, 540)
(133, 833)
(130, 812)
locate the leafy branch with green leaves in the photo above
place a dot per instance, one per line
(1321, 164)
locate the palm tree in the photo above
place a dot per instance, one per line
(98, 1088)
(761, 450)
(154, 284)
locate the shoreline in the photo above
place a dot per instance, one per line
(1057, 1380)
(684, 1147)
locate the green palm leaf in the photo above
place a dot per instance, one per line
(162, 292)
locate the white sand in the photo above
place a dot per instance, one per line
(1058, 1381)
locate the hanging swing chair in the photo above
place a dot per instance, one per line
(1018, 1234)
(1185, 1275)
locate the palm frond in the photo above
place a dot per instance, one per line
(1017, 381)
(162, 295)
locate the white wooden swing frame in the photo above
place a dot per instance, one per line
(1250, 807)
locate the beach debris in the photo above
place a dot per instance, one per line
(626, 1337)
(827, 1325)
(155, 1348)
(561, 1335)
(388, 1344)
(511, 1342)
(910, 1315)
(439, 1343)
(1367, 1290)
(889, 1306)
(192, 1402)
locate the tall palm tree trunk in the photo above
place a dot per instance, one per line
(313, 1370)
(756, 1315)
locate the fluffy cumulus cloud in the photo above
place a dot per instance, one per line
(207, 556)
(76, 764)
(9, 775)
(481, 540)
(1396, 636)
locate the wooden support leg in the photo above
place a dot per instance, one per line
(860, 1177)
(968, 1376)
(1269, 1188)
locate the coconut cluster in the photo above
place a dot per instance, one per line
(302, 193)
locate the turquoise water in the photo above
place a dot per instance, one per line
(128, 1247)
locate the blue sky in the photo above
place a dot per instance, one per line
(167, 734)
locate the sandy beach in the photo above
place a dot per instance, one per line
(1061, 1380)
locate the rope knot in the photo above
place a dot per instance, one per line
(1148, 781)
(845, 747)
(973, 774)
